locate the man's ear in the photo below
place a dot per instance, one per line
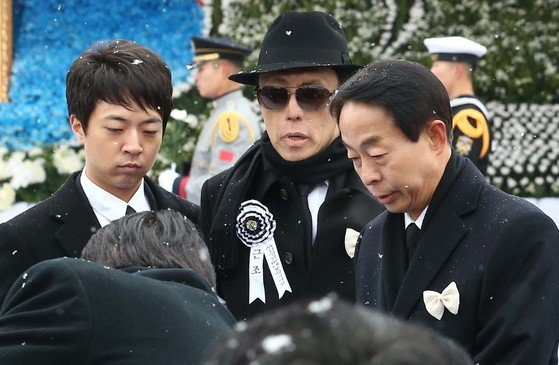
(437, 135)
(226, 69)
(77, 128)
(460, 69)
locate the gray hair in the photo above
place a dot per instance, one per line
(162, 239)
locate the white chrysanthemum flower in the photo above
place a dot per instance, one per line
(3, 170)
(498, 181)
(531, 188)
(192, 121)
(179, 114)
(511, 183)
(66, 160)
(13, 164)
(16, 157)
(7, 196)
(28, 173)
(505, 171)
(35, 152)
(3, 151)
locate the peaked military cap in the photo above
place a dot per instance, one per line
(299, 40)
(454, 49)
(210, 49)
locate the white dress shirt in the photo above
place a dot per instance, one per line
(315, 199)
(108, 207)
(418, 222)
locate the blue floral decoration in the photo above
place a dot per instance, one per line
(50, 34)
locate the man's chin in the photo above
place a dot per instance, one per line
(295, 154)
(128, 182)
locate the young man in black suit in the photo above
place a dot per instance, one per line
(119, 98)
(157, 308)
(452, 251)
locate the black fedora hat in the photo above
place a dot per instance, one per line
(301, 40)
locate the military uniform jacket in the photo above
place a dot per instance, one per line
(499, 250)
(311, 273)
(231, 129)
(61, 226)
(71, 311)
(471, 127)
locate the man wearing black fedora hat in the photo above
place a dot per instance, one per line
(233, 124)
(282, 223)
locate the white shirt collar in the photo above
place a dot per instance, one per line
(418, 222)
(108, 207)
(316, 197)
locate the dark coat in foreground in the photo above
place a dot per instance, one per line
(312, 273)
(501, 252)
(61, 226)
(71, 311)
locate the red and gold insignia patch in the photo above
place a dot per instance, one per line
(227, 156)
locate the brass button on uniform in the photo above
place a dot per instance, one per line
(288, 258)
(284, 194)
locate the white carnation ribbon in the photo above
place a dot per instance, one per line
(255, 228)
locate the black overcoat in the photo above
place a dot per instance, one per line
(71, 311)
(312, 273)
(61, 225)
(500, 250)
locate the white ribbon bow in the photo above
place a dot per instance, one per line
(350, 240)
(435, 303)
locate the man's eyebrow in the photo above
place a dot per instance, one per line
(115, 117)
(368, 142)
(122, 119)
(282, 79)
(152, 120)
(313, 82)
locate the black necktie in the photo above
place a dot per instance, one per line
(129, 210)
(412, 232)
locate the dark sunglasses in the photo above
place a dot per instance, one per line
(308, 97)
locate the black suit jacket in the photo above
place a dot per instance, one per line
(71, 311)
(311, 273)
(61, 226)
(501, 252)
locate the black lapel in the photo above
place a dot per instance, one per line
(150, 197)
(71, 207)
(393, 250)
(434, 248)
(457, 194)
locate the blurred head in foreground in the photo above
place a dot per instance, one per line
(330, 331)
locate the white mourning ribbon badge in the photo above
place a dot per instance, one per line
(255, 228)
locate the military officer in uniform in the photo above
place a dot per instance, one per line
(454, 62)
(232, 126)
